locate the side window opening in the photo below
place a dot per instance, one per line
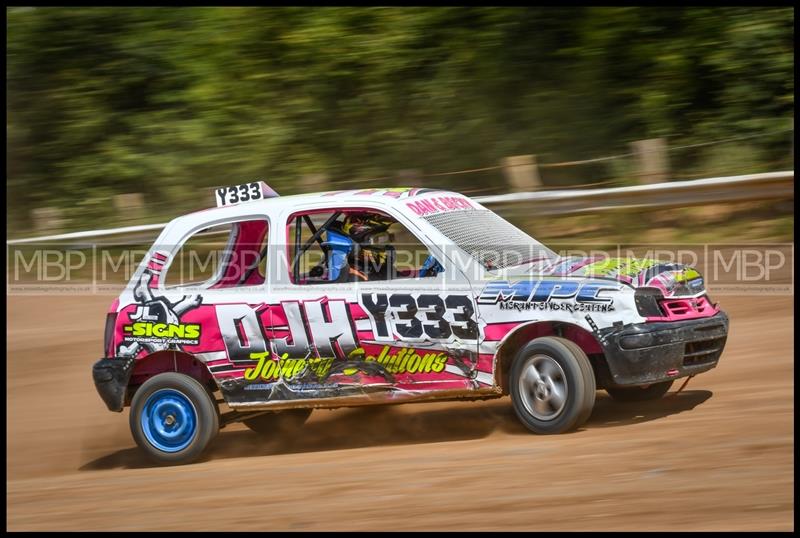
(351, 245)
(224, 256)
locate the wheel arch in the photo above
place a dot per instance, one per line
(169, 361)
(526, 332)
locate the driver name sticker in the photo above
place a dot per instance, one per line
(439, 204)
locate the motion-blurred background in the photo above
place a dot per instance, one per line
(129, 116)
(120, 117)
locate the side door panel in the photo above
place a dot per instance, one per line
(375, 340)
(396, 338)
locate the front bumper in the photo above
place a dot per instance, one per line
(111, 378)
(646, 353)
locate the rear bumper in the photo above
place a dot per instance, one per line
(111, 378)
(646, 353)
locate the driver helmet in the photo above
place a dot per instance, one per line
(369, 229)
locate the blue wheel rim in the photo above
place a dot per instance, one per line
(169, 420)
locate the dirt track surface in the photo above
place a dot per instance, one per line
(718, 456)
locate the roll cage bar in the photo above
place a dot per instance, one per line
(316, 237)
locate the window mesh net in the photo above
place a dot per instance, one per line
(490, 239)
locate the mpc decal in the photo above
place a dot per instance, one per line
(567, 295)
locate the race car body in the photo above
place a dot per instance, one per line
(385, 296)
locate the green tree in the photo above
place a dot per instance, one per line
(172, 101)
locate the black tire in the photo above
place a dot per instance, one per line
(640, 394)
(573, 373)
(203, 406)
(278, 422)
(590, 379)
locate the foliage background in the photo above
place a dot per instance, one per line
(171, 101)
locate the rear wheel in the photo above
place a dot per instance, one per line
(173, 418)
(640, 394)
(278, 422)
(552, 385)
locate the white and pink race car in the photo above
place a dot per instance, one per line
(273, 306)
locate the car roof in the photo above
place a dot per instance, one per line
(397, 197)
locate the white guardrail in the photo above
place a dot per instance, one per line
(771, 185)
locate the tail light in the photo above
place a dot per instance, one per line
(108, 339)
(688, 308)
(652, 304)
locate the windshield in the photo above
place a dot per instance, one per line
(489, 238)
